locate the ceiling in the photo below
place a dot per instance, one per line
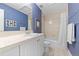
(22, 7)
(52, 8)
(47, 8)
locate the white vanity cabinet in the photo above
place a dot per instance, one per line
(33, 47)
(28, 48)
(10, 51)
(40, 46)
(22, 46)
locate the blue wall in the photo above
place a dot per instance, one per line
(36, 14)
(73, 16)
(12, 14)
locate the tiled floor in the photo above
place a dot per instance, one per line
(58, 52)
(61, 52)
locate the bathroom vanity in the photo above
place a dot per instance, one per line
(22, 45)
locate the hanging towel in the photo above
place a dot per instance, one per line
(71, 33)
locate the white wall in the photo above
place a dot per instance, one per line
(53, 30)
(52, 23)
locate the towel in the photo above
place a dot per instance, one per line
(71, 33)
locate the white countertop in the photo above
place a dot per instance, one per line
(14, 39)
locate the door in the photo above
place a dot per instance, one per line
(1, 20)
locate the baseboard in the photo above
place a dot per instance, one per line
(69, 52)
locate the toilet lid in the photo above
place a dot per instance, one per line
(46, 42)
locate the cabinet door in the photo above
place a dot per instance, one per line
(1, 20)
(9, 51)
(32, 47)
(40, 46)
(28, 48)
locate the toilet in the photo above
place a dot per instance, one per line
(50, 43)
